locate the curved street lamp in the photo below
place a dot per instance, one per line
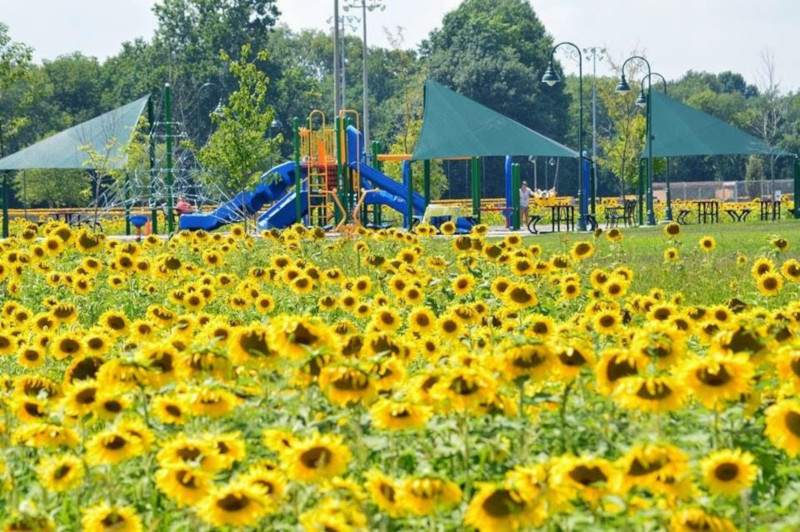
(623, 87)
(550, 77)
(217, 110)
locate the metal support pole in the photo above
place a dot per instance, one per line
(341, 150)
(5, 204)
(168, 105)
(377, 149)
(515, 186)
(298, 173)
(127, 204)
(408, 182)
(640, 190)
(366, 82)
(153, 170)
(336, 74)
(426, 181)
(476, 189)
(796, 176)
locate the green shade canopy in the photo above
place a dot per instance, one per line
(68, 149)
(681, 130)
(455, 126)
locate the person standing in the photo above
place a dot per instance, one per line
(525, 194)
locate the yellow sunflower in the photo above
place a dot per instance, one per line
(235, 504)
(383, 491)
(783, 426)
(707, 244)
(650, 394)
(497, 508)
(388, 414)
(718, 377)
(317, 458)
(770, 284)
(183, 484)
(728, 472)
(582, 250)
(103, 517)
(694, 519)
(60, 473)
(426, 495)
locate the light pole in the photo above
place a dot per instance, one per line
(641, 101)
(217, 110)
(551, 78)
(351, 22)
(336, 73)
(594, 54)
(365, 5)
(623, 87)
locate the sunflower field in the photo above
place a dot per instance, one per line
(621, 380)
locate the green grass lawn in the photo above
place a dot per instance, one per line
(708, 277)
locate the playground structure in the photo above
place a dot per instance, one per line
(329, 184)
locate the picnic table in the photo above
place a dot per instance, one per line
(770, 209)
(562, 214)
(707, 211)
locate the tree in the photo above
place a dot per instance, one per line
(54, 188)
(769, 117)
(238, 150)
(14, 63)
(754, 171)
(77, 85)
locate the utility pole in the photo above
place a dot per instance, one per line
(594, 54)
(336, 74)
(365, 5)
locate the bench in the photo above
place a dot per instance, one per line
(770, 209)
(625, 214)
(682, 214)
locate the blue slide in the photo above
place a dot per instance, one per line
(273, 186)
(391, 193)
(284, 212)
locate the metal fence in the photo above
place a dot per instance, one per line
(724, 190)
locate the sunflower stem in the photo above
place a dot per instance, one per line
(465, 437)
(522, 442)
(562, 415)
(715, 440)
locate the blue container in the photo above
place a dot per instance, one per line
(138, 220)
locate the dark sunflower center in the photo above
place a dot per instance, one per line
(113, 406)
(232, 503)
(638, 469)
(607, 321)
(423, 320)
(720, 378)
(113, 520)
(186, 479)
(173, 410)
(188, 454)
(792, 421)
(726, 472)
(528, 360)
(254, 343)
(351, 381)
(86, 396)
(572, 357)
(303, 336)
(744, 340)
(541, 327)
(618, 369)
(68, 345)
(500, 504)
(34, 410)
(660, 391)
(62, 471)
(115, 443)
(116, 323)
(316, 457)
(460, 386)
(387, 491)
(587, 475)
(85, 369)
(520, 295)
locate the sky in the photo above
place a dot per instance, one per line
(675, 35)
